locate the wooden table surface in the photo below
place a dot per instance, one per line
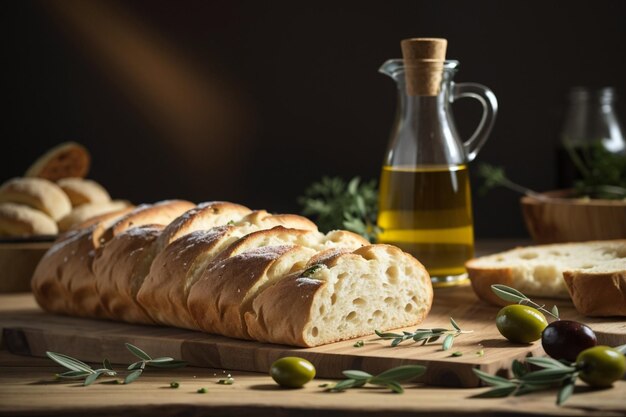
(28, 388)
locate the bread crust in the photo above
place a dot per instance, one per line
(79, 215)
(82, 191)
(593, 293)
(68, 159)
(205, 216)
(224, 292)
(163, 294)
(120, 268)
(21, 220)
(597, 294)
(37, 193)
(163, 212)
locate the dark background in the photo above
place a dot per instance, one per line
(251, 101)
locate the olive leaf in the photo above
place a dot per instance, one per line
(511, 294)
(80, 370)
(426, 335)
(138, 352)
(390, 378)
(524, 382)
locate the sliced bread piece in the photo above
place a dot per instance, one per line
(590, 270)
(342, 296)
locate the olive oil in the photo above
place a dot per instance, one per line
(427, 211)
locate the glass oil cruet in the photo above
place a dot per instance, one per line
(425, 199)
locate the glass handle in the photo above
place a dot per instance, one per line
(490, 109)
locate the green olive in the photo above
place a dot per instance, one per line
(600, 366)
(521, 324)
(292, 372)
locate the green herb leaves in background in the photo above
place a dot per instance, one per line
(515, 296)
(80, 370)
(336, 204)
(553, 374)
(426, 335)
(391, 378)
(603, 175)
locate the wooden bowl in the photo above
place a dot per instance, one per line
(561, 219)
(18, 260)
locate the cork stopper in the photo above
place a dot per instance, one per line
(423, 62)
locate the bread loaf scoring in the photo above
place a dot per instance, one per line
(222, 268)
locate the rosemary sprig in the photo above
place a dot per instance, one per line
(513, 295)
(553, 373)
(80, 370)
(391, 378)
(426, 335)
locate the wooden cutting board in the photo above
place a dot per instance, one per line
(30, 331)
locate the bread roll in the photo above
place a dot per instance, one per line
(37, 193)
(69, 159)
(21, 220)
(220, 298)
(120, 268)
(347, 296)
(81, 191)
(592, 269)
(79, 215)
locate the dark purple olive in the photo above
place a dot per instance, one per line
(565, 339)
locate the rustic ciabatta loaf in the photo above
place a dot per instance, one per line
(21, 220)
(342, 296)
(177, 264)
(37, 193)
(129, 274)
(119, 270)
(82, 191)
(591, 273)
(84, 212)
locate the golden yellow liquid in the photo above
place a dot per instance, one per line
(427, 211)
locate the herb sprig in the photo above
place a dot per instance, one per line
(339, 205)
(138, 367)
(80, 370)
(513, 295)
(391, 378)
(426, 335)
(553, 373)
